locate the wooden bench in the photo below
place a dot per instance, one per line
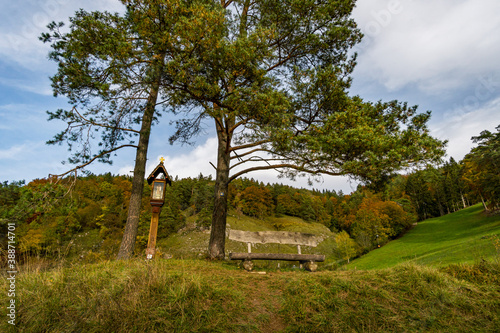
(276, 237)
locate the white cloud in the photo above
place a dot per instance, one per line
(191, 163)
(336, 183)
(13, 153)
(460, 125)
(196, 161)
(437, 45)
(23, 121)
(8, 118)
(40, 87)
(23, 23)
(30, 160)
(25, 51)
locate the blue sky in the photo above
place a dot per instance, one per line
(441, 55)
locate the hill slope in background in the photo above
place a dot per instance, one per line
(466, 236)
(191, 242)
(201, 296)
(192, 295)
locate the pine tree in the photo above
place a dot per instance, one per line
(271, 76)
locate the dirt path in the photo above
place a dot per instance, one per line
(263, 302)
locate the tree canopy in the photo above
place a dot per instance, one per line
(482, 166)
(110, 67)
(272, 76)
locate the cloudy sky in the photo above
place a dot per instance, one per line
(443, 55)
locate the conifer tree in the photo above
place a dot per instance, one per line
(272, 77)
(110, 68)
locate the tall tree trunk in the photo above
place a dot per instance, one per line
(134, 210)
(484, 203)
(463, 200)
(216, 246)
(441, 210)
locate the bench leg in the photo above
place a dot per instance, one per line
(311, 266)
(248, 265)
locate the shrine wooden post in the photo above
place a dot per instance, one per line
(159, 179)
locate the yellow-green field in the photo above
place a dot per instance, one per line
(201, 296)
(467, 236)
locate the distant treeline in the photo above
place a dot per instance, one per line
(49, 214)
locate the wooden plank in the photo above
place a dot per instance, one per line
(277, 237)
(277, 256)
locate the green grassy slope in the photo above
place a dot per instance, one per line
(466, 236)
(201, 296)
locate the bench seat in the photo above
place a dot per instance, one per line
(277, 256)
(278, 237)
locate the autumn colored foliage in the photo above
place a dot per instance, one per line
(49, 213)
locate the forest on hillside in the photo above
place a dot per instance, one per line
(50, 213)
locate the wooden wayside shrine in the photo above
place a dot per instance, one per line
(159, 179)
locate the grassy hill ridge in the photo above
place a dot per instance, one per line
(201, 296)
(466, 236)
(193, 295)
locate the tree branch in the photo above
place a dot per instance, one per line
(92, 160)
(283, 166)
(101, 125)
(226, 4)
(239, 156)
(256, 159)
(250, 145)
(236, 125)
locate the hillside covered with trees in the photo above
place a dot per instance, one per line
(269, 79)
(50, 214)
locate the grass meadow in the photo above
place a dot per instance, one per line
(201, 296)
(466, 236)
(442, 276)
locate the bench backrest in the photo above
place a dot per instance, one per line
(278, 237)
